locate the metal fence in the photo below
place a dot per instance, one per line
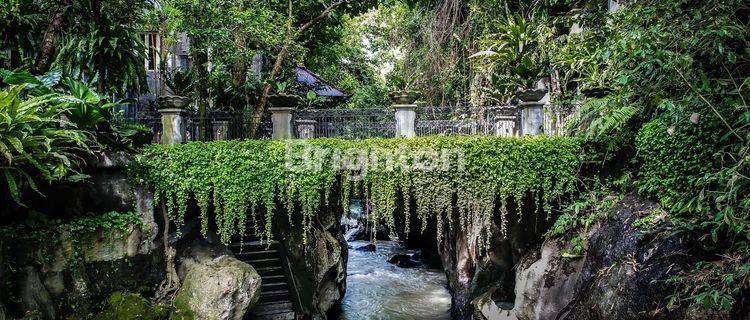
(500, 121)
(223, 125)
(379, 122)
(349, 123)
(218, 125)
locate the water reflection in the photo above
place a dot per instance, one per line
(377, 289)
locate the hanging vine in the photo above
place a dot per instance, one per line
(236, 178)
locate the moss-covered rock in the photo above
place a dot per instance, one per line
(70, 270)
(215, 285)
(125, 306)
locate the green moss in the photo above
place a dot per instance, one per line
(124, 306)
(181, 309)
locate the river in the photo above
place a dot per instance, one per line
(376, 289)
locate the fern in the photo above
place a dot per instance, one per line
(34, 141)
(598, 117)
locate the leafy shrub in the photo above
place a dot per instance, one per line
(36, 142)
(673, 158)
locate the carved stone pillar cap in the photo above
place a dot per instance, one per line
(404, 106)
(281, 109)
(172, 111)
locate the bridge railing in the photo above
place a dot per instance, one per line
(218, 125)
(463, 120)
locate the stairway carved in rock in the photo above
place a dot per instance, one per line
(275, 296)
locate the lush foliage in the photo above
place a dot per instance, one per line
(99, 41)
(236, 178)
(513, 56)
(244, 38)
(672, 78)
(49, 125)
(35, 142)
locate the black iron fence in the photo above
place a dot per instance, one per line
(215, 125)
(499, 121)
(348, 123)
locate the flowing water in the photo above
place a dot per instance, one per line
(376, 289)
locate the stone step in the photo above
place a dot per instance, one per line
(255, 245)
(273, 311)
(274, 286)
(262, 263)
(272, 308)
(275, 299)
(274, 296)
(252, 255)
(273, 278)
(270, 271)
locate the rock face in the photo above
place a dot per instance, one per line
(472, 273)
(73, 274)
(319, 267)
(621, 275)
(215, 285)
(535, 298)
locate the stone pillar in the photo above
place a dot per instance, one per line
(306, 129)
(221, 130)
(406, 117)
(576, 27)
(282, 123)
(174, 126)
(532, 118)
(613, 6)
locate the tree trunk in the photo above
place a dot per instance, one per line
(261, 108)
(171, 281)
(99, 60)
(291, 37)
(47, 50)
(200, 59)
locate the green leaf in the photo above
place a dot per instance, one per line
(22, 77)
(13, 187)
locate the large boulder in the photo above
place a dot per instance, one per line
(215, 285)
(621, 275)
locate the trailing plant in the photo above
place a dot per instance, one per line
(236, 178)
